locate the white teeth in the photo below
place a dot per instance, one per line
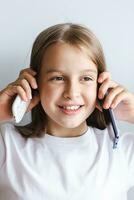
(71, 107)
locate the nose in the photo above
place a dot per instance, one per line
(72, 90)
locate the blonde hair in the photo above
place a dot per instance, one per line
(73, 34)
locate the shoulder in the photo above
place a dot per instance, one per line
(103, 136)
(7, 128)
(6, 132)
(9, 133)
(126, 139)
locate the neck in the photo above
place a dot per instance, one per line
(59, 131)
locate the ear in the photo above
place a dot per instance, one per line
(98, 106)
(34, 101)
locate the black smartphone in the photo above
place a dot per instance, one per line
(109, 115)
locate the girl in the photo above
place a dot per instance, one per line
(66, 152)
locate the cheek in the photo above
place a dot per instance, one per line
(91, 94)
(49, 95)
(91, 100)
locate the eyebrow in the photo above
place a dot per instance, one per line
(54, 70)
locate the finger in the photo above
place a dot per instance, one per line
(103, 88)
(24, 83)
(112, 95)
(107, 84)
(10, 90)
(21, 92)
(35, 100)
(98, 106)
(31, 80)
(120, 97)
(28, 70)
(103, 76)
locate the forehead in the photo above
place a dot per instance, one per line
(66, 57)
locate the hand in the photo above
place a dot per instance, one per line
(21, 86)
(118, 98)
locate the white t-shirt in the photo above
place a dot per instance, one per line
(55, 168)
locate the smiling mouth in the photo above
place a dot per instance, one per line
(71, 110)
(74, 107)
(71, 107)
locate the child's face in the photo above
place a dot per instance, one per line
(67, 78)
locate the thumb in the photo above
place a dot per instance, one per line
(34, 101)
(98, 106)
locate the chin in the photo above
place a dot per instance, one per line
(70, 125)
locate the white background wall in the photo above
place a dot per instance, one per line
(112, 21)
